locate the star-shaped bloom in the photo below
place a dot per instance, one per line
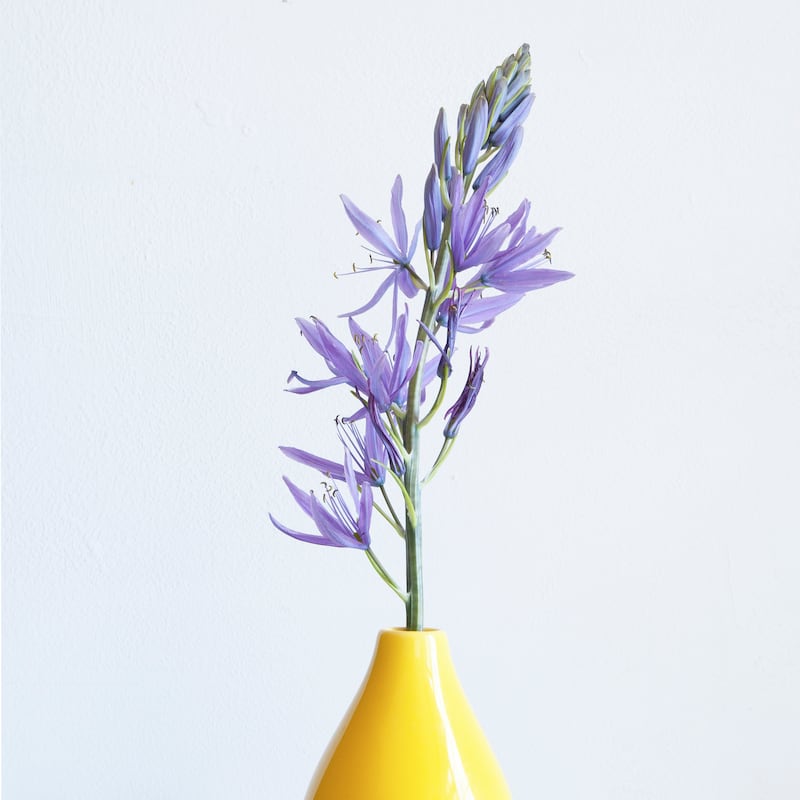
(368, 450)
(338, 524)
(392, 254)
(378, 374)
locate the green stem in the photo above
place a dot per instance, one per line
(411, 480)
(436, 403)
(381, 570)
(395, 521)
(447, 445)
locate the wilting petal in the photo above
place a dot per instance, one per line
(469, 394)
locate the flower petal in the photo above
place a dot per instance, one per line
(303, 537)
(371, 230)
(527, 280)
(398, 216)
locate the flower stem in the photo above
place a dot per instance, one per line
(414, 607)
(411, 424)
(381, 570)
(395, 520)
(443, 453)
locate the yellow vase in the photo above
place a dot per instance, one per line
(410, 733)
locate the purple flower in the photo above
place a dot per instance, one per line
(337, 358)
(367, 450)
(372, 451)
(474, 237)
(387, 376)
(469, 394)
(527, 278)
(395, 254)
(337, 523)
(375, 374)
(519, 267)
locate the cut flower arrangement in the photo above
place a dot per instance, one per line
(410, 731)
(472, 267)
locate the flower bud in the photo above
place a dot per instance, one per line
(476, 133)
(497, 168)
(432, 215)
(441, 146)
(512, 118)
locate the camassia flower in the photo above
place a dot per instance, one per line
(392, 254)
(368, 451)
(338, 525)
(371, 370)
(475, 265)
(508, 256)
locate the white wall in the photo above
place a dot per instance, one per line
(613, 549)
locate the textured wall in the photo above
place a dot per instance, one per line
(613, 548)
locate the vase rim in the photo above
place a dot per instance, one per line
(424, 631)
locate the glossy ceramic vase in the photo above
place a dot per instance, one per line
(410, 733)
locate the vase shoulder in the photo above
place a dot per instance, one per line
(410, 731)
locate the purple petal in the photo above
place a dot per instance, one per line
(314, 386)
(330, 527)
(526, 280)
(371, 230)
(350, 476)
(303, 537)
(337, 356)
(303, 499)
(413, 248)
(324, 465)
(379, 293)
(398, 217)
(365, 512)
(482, 311)
(474, 215)
(533, 244)
(487, 247)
